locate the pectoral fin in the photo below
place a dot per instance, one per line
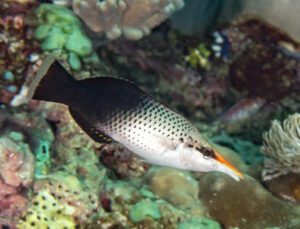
(88, 128)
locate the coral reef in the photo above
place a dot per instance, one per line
(30, 128)
(33, 130)
(230, 84)
(132, 18)
(281, 147)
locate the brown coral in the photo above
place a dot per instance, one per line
(132, 18)
(245, 204)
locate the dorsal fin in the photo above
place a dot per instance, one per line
(88, 128)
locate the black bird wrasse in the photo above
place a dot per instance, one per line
(108, 108)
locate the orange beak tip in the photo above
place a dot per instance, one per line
(222, 160)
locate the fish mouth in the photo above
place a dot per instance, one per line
(230, 169)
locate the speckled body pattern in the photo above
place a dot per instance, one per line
(150, 128)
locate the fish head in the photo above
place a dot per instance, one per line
(206, 158)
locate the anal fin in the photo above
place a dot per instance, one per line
(88, 128)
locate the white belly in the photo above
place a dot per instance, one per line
(153, 149)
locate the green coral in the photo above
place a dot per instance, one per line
(59, 29)
(142, 209)
(199, 57)
(47, 212)
(196, 223)
(74, 61)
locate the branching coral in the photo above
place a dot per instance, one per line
(282, 147)
(132, 18)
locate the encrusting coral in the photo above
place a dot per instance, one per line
(71, 193)
(132, 18)
(282, 148)
(47, 210)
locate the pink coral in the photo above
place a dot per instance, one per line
(16, 171)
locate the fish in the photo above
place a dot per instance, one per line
(110, 109)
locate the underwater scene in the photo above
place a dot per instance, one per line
(149, 114)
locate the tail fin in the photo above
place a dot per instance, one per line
(52, 83)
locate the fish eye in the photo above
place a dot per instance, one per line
(207, 152)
